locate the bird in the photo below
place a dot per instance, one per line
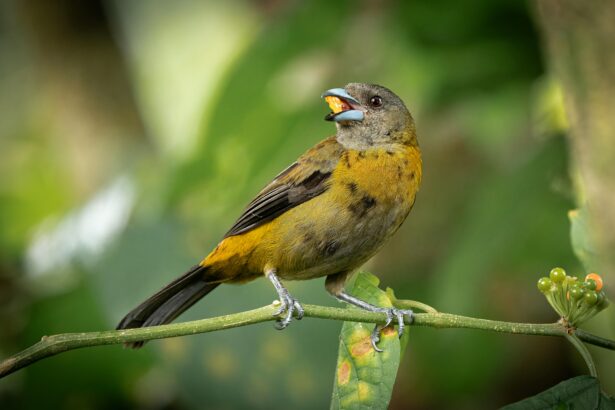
(326, 214)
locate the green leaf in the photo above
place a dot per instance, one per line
(364, 378)
(582, 392)
(582, 243)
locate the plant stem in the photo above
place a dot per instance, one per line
(52, 345)
(578, 344)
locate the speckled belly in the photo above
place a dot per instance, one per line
(369, 195)
(344, 227)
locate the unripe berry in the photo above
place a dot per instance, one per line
(557, 275)
(590, 297)
(576, 292)
(544, 284)
(590, 284)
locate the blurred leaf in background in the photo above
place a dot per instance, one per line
(134, 133)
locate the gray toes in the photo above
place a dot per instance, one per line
(375, 338)
(288, 306)
(391, 313)
(298, 309)
(400, 313)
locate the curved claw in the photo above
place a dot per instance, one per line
(280, 325)
(288, 305)
(281, 309)
(375, 338)
(400, 313)
(299, 310)
(390, 312)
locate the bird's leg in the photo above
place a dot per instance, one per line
(288, 304)
(391, 312)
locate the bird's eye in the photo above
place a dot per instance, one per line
(375, 101)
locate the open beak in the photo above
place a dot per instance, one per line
(343, 106)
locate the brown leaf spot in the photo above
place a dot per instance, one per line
(388, 331)
(343, 373)
(361, 348)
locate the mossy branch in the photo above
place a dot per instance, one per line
(52, 345)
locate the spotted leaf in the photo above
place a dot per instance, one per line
(364, 378)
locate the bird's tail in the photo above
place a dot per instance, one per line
(169, 302)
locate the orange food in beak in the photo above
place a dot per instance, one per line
(336, 104)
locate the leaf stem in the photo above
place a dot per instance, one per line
(580, 346)
(52, 345)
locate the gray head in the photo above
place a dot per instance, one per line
(369, 115)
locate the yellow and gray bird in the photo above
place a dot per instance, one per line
(325, 215)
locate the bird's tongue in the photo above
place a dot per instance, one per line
(337, 104)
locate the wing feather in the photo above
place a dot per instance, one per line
(300, 182)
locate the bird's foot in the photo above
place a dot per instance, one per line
(288, 307)
(391, 314)
(288, 304)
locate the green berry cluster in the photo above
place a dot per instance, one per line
(574, 300)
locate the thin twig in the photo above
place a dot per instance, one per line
(52, 345)
(582, 349)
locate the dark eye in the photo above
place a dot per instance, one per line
(375, 101)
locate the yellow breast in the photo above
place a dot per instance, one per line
(387, 176)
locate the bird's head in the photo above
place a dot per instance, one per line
(369, 115)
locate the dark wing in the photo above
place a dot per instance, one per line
(300, 182)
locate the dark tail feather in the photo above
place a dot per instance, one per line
(170, 302)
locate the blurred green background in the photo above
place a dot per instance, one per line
(133, 133)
